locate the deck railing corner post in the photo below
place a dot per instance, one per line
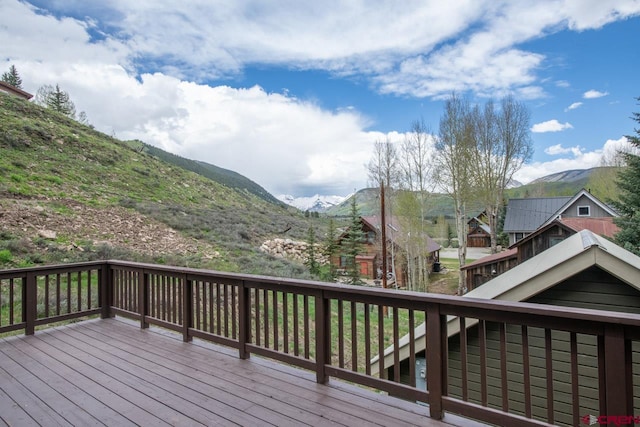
(617, 370)
(30, 303)
(143, 298)
(187, 308)
(323, 341)
(244, 320)
(106, 291)
(436, 359)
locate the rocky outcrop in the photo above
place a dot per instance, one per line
(292, 250)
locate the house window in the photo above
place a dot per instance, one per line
(343, 261)
(554, 240)
(584, 211)
(519, 236)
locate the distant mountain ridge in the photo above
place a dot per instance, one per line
(573, 175)
(316, 203)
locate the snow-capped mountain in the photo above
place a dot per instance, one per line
(315, 203)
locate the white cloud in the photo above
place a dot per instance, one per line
(591, 94)
(573, 106)
(550, 126)
(557, 149)
(137, 69)
(469, 45)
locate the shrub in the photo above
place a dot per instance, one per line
(5, 256)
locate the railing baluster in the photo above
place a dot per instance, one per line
(218, 310)
(549, 373)
(265, 301)
(307, 331)
(226, 309)
(354, 338)
(187, 308)
(503, 367)
(482, 338)
(463, 358)
(244, 317)
(526, 371)
(575, 391)
(296, 326)
(79, 278)
(396, 346)
(46, 295)
(285, 321)
(367, 338)
(340, 334)
(11, 302)
(383, 373)
(256, 307)
(412, 349)
(89, 305)
(234, 301)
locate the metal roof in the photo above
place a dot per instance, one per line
(527, 215)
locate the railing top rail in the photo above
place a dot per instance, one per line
(44, 269)
(394, 298)
(449, 304)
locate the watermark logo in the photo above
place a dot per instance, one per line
(618, 420)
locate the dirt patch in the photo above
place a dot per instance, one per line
(70, 222)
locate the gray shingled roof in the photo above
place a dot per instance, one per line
(526, 215)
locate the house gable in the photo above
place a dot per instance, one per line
(12, 90)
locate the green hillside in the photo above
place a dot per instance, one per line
(68, 192)
(223, 176)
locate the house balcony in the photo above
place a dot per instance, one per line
(167, 345)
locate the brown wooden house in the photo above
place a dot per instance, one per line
(479, 232)
(370, 259)
(487, 268)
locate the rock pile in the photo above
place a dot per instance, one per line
(292, 250)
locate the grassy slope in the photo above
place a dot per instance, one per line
(50, 158)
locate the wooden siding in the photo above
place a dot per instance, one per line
(592, 288)
(543, 241)
(595, 211)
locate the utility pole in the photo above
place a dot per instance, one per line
(383, 225)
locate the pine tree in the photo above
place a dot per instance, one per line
(353, 244)
(56, 99)
(331, 249)
(312, 260)
(12, 77)
(629, 203)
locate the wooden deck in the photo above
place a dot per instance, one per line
(111, 372)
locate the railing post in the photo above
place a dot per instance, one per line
(143, 298)
(323, 337)
(187, 308)
(436, 359)
(30, 303)
(618, 374)
(244, 320)
(106, 291)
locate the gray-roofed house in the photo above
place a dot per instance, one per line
(524, 216)
(584, 271)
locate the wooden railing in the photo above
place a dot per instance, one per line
(512, 364)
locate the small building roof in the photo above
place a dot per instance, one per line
(6, 87)
(558, 263)
(527, 215)
(600, 226)
(394, 230)
(490, 259)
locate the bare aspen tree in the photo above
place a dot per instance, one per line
(455, 150)
(416, 166)
(383, 173)
(502, 146)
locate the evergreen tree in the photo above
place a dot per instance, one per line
(56, 99)
(312, 261)
(353, 244)
(629, 203)
(12, 77)
(331, 249)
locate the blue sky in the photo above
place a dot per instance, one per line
(294, 94)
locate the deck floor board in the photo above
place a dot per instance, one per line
(111, 372)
